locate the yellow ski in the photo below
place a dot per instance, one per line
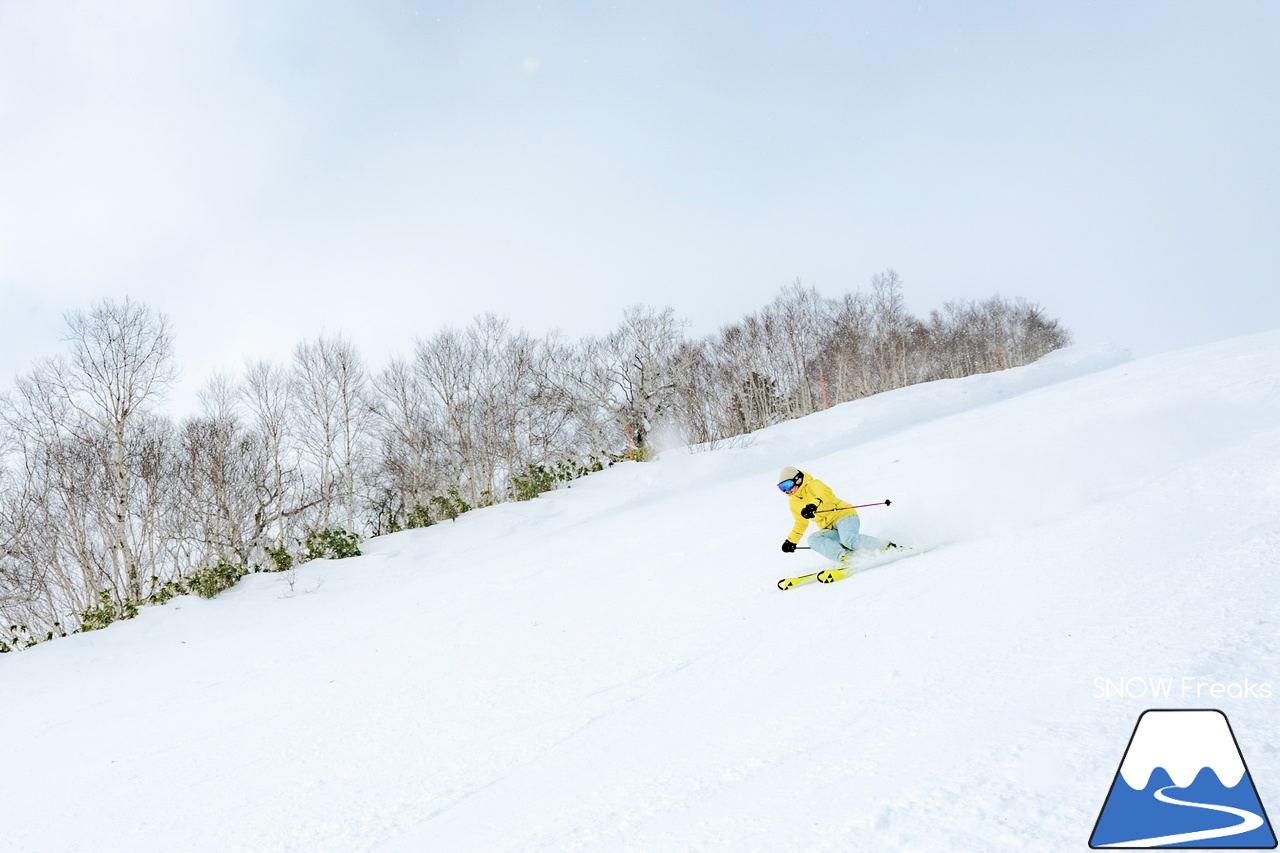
(845, 567)
(787, 583)
(840, 570)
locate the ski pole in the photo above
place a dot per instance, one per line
(884, 502)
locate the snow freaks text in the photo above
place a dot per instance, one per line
(1186, 687)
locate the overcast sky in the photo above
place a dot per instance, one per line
(264, 171)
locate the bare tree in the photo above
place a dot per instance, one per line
(410, 464)
(226, 476)
(567, 377)
(266, 394)
(891, 348)
(443, 365)
(331, 389)
(794, 323)
(704, 403)
(978, 337)
(500, 389)
(638, 369)
(846, 357)
(492, 395)
(120, 364)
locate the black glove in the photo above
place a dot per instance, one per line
(809, 511)
(788, 546)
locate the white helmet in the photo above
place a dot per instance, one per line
(792, 474)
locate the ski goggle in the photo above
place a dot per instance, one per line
(787, 485)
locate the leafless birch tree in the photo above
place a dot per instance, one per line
(93, 402)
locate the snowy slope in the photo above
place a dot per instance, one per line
(610, 666)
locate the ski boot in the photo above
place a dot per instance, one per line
(841, 570)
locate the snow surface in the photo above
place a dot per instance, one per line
(611, 666)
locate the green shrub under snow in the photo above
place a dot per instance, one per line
(331, 543)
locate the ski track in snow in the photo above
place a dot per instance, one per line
(611, 667)
(1248, 822)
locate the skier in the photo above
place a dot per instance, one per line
(837, 536)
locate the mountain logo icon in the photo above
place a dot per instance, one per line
(1183, 783)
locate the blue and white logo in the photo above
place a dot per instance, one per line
(1183, 783)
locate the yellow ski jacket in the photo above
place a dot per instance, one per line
(814, 491)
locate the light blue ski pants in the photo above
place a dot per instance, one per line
(844, 537)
